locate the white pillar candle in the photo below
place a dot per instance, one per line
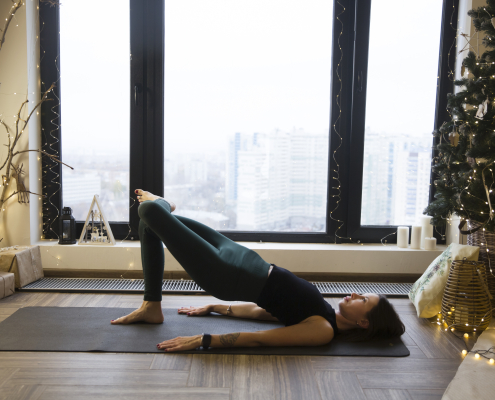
(430, 243)
(416, 237)
(427, 229)
(402, 236)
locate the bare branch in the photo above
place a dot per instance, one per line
(27, 191)
(8, 134)
(43, 99)
(17, 122)
(44, 152)
(16, 6)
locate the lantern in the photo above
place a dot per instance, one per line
(67, 227)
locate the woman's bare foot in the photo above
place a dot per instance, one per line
(150, 312)
(144, 196)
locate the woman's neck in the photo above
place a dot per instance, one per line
(343, 324)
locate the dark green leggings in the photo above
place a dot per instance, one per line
(220, 266)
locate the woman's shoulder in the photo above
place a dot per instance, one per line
(321, 323)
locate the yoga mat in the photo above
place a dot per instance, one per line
(89, 329)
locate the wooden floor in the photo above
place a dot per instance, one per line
(425, 374)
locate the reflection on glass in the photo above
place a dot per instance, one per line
(400, 107)
(94, 68)
(247, 99)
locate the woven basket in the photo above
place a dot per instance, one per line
(487, 253)
(466, 304)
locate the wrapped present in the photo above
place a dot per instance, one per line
(24, 262)
(7, 282)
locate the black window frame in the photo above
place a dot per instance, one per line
(351, 20)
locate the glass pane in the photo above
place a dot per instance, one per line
(247, 100)
(95, 75)
(400, 107)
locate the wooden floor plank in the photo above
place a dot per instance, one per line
(407, 339)
(339, 385)
(294, 378)
(97, 376)
(253, 377)
(6, 373)
(387, 394)
(8, 310)
(141, 392)
(211, 370)
(14, 359)
(409, 380)
(179, 362)
(426, 394)
(430, 338)
(23, 392)
(389, 364)
(416, 352)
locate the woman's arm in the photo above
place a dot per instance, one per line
(242, 310)
(314, 331)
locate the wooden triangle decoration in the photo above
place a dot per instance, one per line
(96, 219)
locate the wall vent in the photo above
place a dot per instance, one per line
(183, 286)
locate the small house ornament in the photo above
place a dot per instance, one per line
(67, 227)
(96, 226)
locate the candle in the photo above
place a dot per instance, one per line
(416, 237)
(427, 229)
(430, 243)
(402, 236)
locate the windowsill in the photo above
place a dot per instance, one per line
(371, 258)
(272, 246)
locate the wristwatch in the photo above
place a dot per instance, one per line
(205, 341)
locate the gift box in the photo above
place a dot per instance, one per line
(24, 262)
(7, 282)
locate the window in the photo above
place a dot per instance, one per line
(252, 116)
(247, 110)
(94, 64)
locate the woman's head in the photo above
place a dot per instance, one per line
(374, 315)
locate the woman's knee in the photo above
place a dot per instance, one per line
(147, 210)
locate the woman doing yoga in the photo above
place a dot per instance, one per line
(232, 272)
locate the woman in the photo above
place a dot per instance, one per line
(230, 271)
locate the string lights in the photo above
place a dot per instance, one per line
(487, 354)
(340, 223)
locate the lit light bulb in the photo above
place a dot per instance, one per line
(464, 352)
(476, 356)
(492, 361)
(466, 335)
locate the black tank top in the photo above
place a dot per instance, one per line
(292, 299)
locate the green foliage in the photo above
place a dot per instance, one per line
(465, 161)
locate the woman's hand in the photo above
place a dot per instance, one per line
(190, 311)
(181, 343)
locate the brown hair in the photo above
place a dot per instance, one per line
(384, 323)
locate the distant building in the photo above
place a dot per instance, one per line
(278, 181)
(396, 174)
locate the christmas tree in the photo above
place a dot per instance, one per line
(464, 163)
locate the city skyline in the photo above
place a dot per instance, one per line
(282, 182)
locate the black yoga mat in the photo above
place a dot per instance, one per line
(89, 329)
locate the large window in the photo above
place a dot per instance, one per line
(276, 121)
(94, 66)
(400, 111)
(247, 110)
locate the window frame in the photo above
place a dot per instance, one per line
(350, 51)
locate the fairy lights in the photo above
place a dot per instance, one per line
(340, 223)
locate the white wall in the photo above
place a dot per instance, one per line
(14, 221)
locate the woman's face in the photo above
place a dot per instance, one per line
(356, 306)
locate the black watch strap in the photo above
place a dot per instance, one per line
(206, 341)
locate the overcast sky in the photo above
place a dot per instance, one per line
(243, 66)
